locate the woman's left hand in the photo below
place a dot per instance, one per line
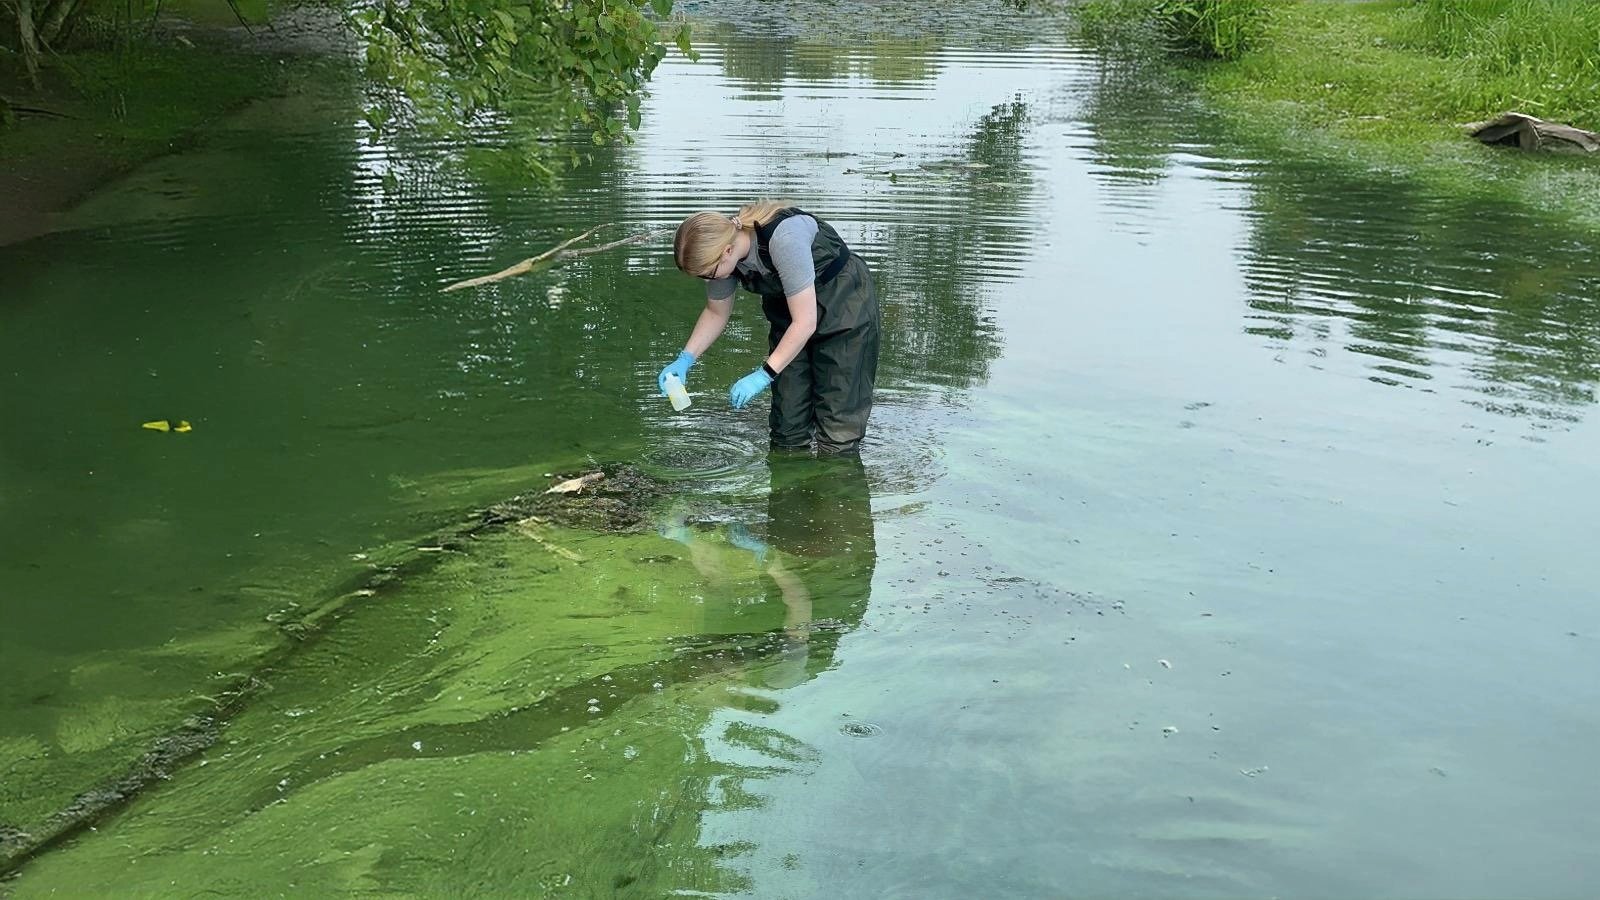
(745, 389)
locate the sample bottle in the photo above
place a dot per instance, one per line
(677, 394)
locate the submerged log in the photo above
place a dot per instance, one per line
(1514, 129)
(616, 499)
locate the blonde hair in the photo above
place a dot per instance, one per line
(703, 236)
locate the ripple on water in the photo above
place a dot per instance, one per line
(705, 456)
(860, 729)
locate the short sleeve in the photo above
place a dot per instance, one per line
(790, 248)
(720, 289)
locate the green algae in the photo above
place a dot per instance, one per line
(517, 695)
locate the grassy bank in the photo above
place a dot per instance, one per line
(1391, 81)
(1412, 72)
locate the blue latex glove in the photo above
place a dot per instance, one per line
(740, 536)
(745, 389)
(678, 367)
(674, 528)
(677, 532)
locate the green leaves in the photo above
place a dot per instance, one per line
(555, 64)
(1220, 29)
(376, 117)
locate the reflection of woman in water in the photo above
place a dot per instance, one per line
(817, 560)
(819, 514)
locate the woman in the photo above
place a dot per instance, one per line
(822, 350)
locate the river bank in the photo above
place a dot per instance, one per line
(100, 112)
(1211, 516)
(1389, 85)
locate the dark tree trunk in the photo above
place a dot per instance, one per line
(54, 17)
(27, 38)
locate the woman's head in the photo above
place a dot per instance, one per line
(701, 246)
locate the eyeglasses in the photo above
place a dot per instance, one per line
(713, 275)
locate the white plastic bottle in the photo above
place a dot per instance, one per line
(677, 394)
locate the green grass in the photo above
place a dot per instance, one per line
(1418, 60)
(1388, 69)
(1542, 54)
(1383, 83)
(1391, 83)
(1206, 29)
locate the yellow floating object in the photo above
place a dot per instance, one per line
(183, 426)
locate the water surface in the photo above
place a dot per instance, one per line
(1222, 529)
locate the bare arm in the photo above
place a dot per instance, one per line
(796, 599)
(713, 319)
(802, 325)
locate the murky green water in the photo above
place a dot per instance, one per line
(1223, 530)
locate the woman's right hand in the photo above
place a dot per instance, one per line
(678, 367)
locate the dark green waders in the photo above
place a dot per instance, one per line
(819, 518)
(825, 393)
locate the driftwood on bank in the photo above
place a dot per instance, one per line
(561, 251)
(1514, 129)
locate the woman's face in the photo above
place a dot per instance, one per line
(725, 262)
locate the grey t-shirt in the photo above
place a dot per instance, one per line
(790, 248)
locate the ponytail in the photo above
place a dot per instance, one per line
(703, 237)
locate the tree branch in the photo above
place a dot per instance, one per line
(234, 5)
(154, 15)
(552, 256)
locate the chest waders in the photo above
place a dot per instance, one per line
(825, 393)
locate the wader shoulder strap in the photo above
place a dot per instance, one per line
(840, 259)
(764, 232)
